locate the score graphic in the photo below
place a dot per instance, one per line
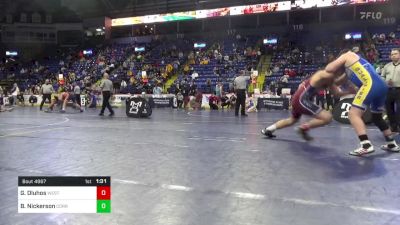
(64, 194)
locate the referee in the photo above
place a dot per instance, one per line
(391, 74)
(106, 86)
(240, 85)
(46, 90)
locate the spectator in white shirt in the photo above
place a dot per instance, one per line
(157, 90)
(15, 93)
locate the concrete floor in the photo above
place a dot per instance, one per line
(206, 168)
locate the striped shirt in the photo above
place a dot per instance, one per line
(106, 85)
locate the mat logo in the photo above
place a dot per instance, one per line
(371, 15)
(134, 107)
(346, 107)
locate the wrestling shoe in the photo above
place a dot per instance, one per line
(362, 151)
(268, 133)
(391, 147)
(304, 134)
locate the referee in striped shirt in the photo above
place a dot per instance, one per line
(46, 90)
(106, 86)
(240, 85)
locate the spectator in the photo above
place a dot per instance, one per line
(157, 90)
(276, 69)
(392, 36)
(213, 101)
(218, 90)
(382, 38)
(231, 87)
(194, 75)
(372, 54)
(375, 38)
(225, 101)
(329, 100)
(208, 89)
(272, 87)
(123, 84)
(320, 98)
(1, 99)
(192, 88)
(14, 93)
(292, 73)
(268, 72)
(198, 99)
(232, 100)
(179, 98)
(185, 89)
(285, 80)
(252, 104)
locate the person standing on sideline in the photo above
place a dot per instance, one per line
(218, 90)
(15, 93)
(77, 93)
(391, 74)
(106, 87)
(157, 90)
(46, 90)
(240, 85)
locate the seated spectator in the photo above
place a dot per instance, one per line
(213, 102)
(157, 90)
(232, 101)
(218, 90)
(276, 69)
(225, 101)
(192, 88)
(382, 38)
(252, 104)
(375, 38)
(198, 100)
(392, 36)
(372, 55)
(292, 73)
(208, 88)
(285, 80)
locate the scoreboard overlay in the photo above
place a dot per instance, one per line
(64, 194)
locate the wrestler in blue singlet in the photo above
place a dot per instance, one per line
(372, 88)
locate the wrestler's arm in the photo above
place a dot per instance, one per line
(341, 79)
(336, 65)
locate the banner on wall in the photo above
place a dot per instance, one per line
(273, 103)
(236, 10)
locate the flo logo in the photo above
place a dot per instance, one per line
(371, 15)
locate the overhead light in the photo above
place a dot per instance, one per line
(104, 28)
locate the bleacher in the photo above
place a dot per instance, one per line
(385, 49)
(160, 51)
(229, 46)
